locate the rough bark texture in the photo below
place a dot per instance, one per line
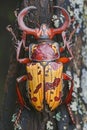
(31, 119)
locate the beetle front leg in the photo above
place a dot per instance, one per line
(66, 44)
(20, 98)
(18, 48)
(24, 40)
(64, 38)
(64, 60)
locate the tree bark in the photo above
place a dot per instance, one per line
(33, 120)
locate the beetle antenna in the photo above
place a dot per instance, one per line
(16, 12)
(9, 28)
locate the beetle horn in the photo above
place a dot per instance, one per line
(22, 24)
(65, 24)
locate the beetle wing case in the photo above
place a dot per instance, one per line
(44, 84)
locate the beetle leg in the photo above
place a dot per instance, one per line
(18, 117)
(64, 60)
(24, 60)
(71, 113)
(18, 48)
(73, 32)
(24, 39)
(66, 44)
(64, 38)
(20, 98)
(69, 49)
(69, 96)
(61, 49)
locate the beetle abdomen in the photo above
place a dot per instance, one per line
(44, 84)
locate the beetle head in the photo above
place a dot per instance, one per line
(43, 31)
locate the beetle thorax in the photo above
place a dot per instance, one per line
(44, 51)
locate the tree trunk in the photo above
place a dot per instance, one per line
(31, 119)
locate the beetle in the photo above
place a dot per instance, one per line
(44, 66)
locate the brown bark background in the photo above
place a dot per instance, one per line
(13, 69)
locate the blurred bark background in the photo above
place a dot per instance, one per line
(9, 67)
(6, 17)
